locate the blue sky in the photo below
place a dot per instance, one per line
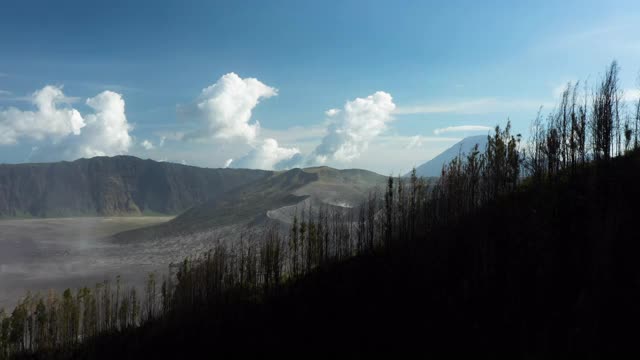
(444, 66)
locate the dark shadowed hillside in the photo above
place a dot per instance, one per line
(121, 185)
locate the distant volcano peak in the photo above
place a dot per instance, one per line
(433, 167)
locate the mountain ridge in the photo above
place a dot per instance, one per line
(204, 199)
(278, 192)
(107, 186)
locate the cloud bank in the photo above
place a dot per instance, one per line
(49, 121)
(221, 113)
(61, 132)
(224, 111)
(356, 125)
(475, 106)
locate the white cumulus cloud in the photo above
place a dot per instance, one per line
(332, 112)
(50, 120)
(225, 108)
(147, 145)
(62, 132)
(462, 128)
(105, 132)
(359, 122)
(268, 156)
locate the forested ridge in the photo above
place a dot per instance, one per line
(522, 247)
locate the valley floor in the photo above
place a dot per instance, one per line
(56, 253)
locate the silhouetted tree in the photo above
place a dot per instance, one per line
(606, 114)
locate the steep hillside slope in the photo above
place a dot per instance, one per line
(121, 185)
(277, 197)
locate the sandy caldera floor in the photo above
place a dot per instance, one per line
(41, 254)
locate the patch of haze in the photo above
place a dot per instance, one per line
(342, 204)
(41, 254)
